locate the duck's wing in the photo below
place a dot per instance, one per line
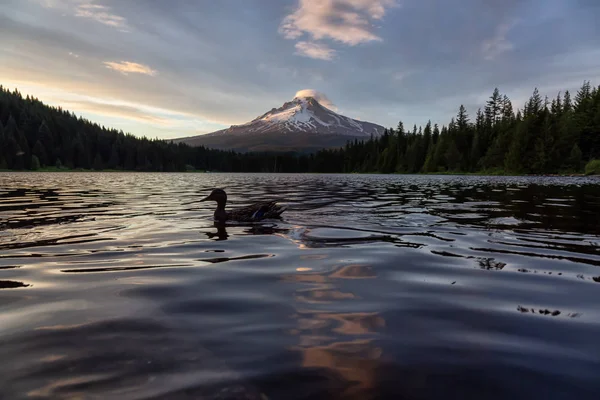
(257, 212)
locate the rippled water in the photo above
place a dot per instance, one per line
(119, 286)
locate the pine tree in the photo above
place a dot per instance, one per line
(113, 161)
(567, 105)
(507, 109)
(583, 95)
(475, 155)
(545, 136)
(40, 152)
(12, 152)
(538, 162)
(35, 163)
(439, 156)
(576, 158)
(513, 161)
(98, 164)
(453, 157)
(401, 149)
(462, 118)
(436, 133)
(46, 138)
(534, 105)
(429, 165)
(494, 107)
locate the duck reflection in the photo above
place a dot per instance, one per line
(343, 343)
(250, 229)
(220, 234)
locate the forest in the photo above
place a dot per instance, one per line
(546, 136)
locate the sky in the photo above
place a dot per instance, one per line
(175, 68)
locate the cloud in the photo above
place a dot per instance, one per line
(318, 96)
(401, 75)
(498, 44)
(126, 67)
(315, 50)
(88, 9)
(58, 4)
(556, 46)
(116, 110)
(101, 14)
(346, 21)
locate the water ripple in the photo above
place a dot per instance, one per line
(119, 286)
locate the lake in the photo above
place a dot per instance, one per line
(120, 286)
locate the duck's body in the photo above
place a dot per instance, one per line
(254, 212)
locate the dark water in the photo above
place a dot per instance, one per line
(400, 287)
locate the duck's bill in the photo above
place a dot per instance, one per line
(206, 198)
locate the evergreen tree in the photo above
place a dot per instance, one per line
(475, 155)
(575, 158)
(567, 105)
(46, 139)
(439, 155)
(40, 152)
(513, 161)
(462, 118)
(12, 151)
(507, 109)
(436, 133)
(98, 164)
(534, 105)
(545, 136)
(35, 163)
(453, 157)
(494, 107)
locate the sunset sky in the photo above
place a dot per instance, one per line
(183, 67)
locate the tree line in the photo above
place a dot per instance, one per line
(545, 136)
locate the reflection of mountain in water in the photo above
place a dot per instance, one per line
(342, 343)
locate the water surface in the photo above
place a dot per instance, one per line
(119, 286)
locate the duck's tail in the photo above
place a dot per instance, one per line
(268, 211)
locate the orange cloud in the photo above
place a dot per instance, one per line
(345, 21)
(116, 110)
(126, 67)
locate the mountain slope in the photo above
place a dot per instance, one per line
(302, 124)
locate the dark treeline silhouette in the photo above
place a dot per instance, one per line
(546, 136)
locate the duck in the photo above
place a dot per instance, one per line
(254, 212)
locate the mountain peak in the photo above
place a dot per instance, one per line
(305, 98)
(307, 118)
(315, 96)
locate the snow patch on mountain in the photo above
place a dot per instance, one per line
(305, 116)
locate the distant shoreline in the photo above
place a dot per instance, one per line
(497, 173)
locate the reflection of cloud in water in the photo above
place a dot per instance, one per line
(356, 361)
(324, 290)
(342, 323)
(355, 271)
(340, 342)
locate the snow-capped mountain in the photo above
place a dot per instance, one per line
(301, 124)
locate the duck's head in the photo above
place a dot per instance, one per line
(217, 195)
